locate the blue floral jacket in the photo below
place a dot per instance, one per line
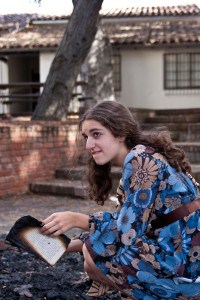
(149, 263)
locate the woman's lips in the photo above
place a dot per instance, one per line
(95, 152)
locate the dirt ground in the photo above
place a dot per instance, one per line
(24, 276)
(41, 206)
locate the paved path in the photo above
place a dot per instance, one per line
(41, 206)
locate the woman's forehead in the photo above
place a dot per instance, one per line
(90, 125)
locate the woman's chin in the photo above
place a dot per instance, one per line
(100, 162)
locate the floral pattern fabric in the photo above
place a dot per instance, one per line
(144, 262)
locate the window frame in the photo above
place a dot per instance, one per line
(178, 72)
(117, 72)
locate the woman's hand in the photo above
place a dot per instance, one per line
(61, 222)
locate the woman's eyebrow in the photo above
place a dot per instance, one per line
(92, 130)
(95, 129)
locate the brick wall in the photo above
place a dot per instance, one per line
(33, 150)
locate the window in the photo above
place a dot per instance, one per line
(117, 72)
(182, 71)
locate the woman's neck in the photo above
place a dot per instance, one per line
(119, 160)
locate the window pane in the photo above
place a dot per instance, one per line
(195, 66)
(182, 70)
(117, 72)
(170, 72)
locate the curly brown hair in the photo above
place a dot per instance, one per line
(119, 120)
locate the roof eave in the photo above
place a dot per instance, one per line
(28, 49)
(156, 46)
(150, 19)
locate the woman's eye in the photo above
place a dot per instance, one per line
(85, 137)
(96, 134)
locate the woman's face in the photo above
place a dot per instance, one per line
(102, 145)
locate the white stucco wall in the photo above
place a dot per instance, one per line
(3, 72)
(3, 79)
(142, 83)
(45, 61)
(142, 73)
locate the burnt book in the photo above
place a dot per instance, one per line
(25, 234)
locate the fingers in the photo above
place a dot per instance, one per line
(53, 230)
(58, 223)
(48, 228)
(49, 219)
(50, 225)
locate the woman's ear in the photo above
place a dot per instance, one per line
(122, 138)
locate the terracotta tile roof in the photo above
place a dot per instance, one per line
(12, 22)
(33, 36)
(155, 11)
(153, 32)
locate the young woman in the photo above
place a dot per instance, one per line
(150, 247)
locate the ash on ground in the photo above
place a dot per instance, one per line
(23, 276)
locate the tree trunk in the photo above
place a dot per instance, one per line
(98, 69)
(74, 47)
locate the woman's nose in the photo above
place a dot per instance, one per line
(90, 143)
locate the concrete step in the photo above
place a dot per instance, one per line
(70, 182)
(71, 173)
(78, 173)
(62, 187)
(64, 173)
(182, 111)
(192, 150)
(196, 172)
(179, 131)
(165, 119)
(76, 188)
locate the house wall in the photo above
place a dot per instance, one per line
(142, 82)
(3, 71)
(45, 60)
(3, 79)
(17, 72)
(31, 151)
(22, 68)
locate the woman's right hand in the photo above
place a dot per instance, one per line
(61, 222)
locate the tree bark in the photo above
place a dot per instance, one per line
(74, 47)
(98, 69)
